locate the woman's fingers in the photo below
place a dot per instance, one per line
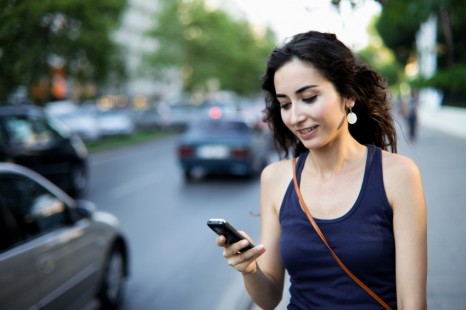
(245, 261)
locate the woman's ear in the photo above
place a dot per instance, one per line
(349, 103)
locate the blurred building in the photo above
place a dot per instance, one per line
(426, 43)
(137, 20)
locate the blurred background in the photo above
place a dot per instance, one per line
(152, 111)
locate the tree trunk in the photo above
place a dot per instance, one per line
(447, 33)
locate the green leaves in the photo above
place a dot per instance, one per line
(34, 35)
(210, 46)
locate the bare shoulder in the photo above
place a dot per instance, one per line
(275, 179)
(401, 176)
(277, 172)
(396, 165)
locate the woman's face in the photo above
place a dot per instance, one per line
(310, 106)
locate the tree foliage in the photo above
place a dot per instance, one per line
(208, 45)
(397, 27)
(73, 36)
(399, 22)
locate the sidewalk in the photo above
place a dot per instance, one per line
(449, 120)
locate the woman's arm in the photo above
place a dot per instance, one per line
(406, 194)
(261, 267)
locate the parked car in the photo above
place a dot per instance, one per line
(148, 119)
(56, 252)
(222, 145)
(81, 121)
(31, 138)
(115, 123)
(177, 117)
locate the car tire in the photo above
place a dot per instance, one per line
(78, 180)
(113, 281)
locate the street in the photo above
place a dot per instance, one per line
(441, 159)
(175, 263)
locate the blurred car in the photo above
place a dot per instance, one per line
(115, 123)
(148, 119)
(176, 117)
(80, 120)
(218, 145)
(31, 138)
(56, 252)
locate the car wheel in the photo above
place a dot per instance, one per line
(112, 287)
(78, 179)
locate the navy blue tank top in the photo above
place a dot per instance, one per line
(362, 238)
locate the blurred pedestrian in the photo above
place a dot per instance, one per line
(411, 114)
(332, 113)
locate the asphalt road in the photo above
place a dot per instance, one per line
(442, 161)
(175, 263)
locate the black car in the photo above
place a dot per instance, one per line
(56, 252)
(31, 138)
(220, 145)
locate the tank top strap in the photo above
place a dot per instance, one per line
(374, 160)
(300, 165)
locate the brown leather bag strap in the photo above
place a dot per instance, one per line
(321, 235)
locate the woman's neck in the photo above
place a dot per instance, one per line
(335, 158)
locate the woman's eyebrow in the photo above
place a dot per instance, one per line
(304, 88)
(300, 90)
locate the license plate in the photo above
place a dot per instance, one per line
(213, 152)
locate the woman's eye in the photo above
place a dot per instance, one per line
(285, 106)
(310, 99)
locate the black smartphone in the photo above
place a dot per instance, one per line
(222, 227)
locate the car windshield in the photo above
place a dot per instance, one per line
(24, 131)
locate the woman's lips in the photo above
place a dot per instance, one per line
(307, 132)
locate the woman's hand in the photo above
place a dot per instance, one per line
(244, 262)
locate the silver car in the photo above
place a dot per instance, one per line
(56, 252)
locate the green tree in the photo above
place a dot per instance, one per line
(381, 58)
(73, 36)
(208, 45)
(398, 24)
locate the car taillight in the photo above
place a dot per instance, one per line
(239, 152)
(185, 151)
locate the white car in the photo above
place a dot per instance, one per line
(115, 123)
(79, 120)
(56, 252)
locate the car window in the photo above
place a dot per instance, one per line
(10, 233)
(221, 127)
(28, 132)
(32, 208)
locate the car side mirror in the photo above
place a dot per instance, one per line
(85, 208)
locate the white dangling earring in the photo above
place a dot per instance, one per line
(351, 117)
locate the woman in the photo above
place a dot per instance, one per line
(333, 113)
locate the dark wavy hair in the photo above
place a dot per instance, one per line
(351, 79)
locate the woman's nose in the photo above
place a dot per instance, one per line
(296, 114)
